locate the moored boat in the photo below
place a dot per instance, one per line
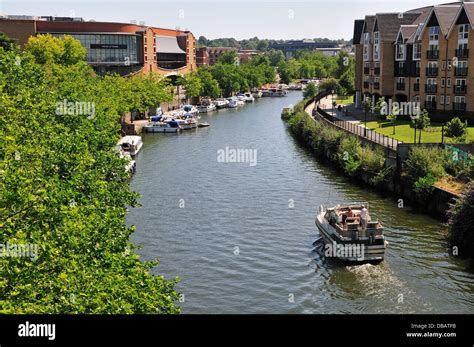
(131, 144)
(349, 233)
(249, 97)
(221, 103)
(171, 126)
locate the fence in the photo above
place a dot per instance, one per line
(354, 128)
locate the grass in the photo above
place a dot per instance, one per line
(405, 133)
(345, 99)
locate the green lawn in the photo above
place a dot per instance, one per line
(405, 133)
(345, 99)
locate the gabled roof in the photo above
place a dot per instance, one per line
(358, 27)
(446, 16)
(368, 24)
(389, 24)
(407, 31)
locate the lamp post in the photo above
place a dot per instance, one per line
(365, 121)
(442, 133)
(332, 103)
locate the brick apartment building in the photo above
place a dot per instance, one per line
(114, 47)
(421, 55)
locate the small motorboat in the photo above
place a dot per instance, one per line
(221, 103)
(349, 237)
(232, 102)
(203, 125)
(249, 97)
(131, 144)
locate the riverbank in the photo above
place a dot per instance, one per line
(369, 163)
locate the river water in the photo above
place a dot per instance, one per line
(240, 236)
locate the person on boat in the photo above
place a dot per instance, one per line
(350, 213)
(364, 215)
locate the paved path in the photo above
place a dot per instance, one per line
(353, 124)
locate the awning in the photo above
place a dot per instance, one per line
(168, 44)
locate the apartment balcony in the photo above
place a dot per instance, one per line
(431, 88)
(460, 89)
(431, 71)
(366, 85)
(459, 106)
(366, 70)
(430, 105)
(460, 71)
(416, 87)
(377, 71)
(432, 54)
(400, 86)
(376, 85)
(462, 53)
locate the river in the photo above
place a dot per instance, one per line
(240, 236)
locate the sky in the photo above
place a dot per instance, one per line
(271, 19)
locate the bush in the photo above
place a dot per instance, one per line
(461, 220)
(455, 128)
(423, 187)
(424, 161)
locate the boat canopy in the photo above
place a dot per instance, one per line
(168, 44)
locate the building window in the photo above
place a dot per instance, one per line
(443, 81)
(448, 100)
(459, 99)
(400, 52)
(441, 100)
(376, 45)
(417, 51)
(463, 33)
(448, 83)
(434, 34)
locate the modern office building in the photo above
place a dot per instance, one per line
(422, 55)
(114, 47)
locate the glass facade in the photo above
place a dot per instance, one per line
(113, 49)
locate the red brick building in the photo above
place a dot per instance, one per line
(115, 47)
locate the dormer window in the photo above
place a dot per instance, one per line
(463, 32)
(434, 34)
(400, 51)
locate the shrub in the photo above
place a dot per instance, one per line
(461, 220)
(424, 161)
(455, 128)
(423, 187)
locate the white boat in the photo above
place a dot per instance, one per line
(171, 126)
(232, 102)
(249, 97)
(342, 232)
(221, 103)
(131, 165)
(187, 121)
(131, 144)
(203, 108)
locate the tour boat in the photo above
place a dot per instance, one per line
(163, 127)
(348, 240)
(131, 144)
(249, 97)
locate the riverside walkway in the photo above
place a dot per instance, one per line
(350, 122)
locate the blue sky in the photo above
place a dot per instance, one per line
(275, 19)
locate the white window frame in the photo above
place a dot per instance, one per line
(417, 51)
(433, 34)
(376, 53)
(400, 52)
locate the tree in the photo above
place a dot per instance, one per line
(275, 56)
(64, 193)
(422, 122)
(329, 84)
(461, 219)
(192, 84)
(378, 107)
(229, 57)
(48, 49)
(7, 43)
(455, 128)
(310, 91)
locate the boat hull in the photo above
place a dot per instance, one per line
(153, 129)
(369, 252)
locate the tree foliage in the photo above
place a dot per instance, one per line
(64, 193)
